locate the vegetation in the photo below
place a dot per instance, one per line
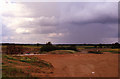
(114, 45)
(13, 49)
(22, 66)
(49, 47)
(111, 50)
(45, 48)
(62, 52)
(9, 57)
(95, 52)
(13, 72)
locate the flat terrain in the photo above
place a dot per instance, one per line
(61, 63)
(83, 65)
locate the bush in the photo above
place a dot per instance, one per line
(13, 49)
(48, 47)
(95, 52)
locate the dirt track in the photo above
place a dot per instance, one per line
(83, 65)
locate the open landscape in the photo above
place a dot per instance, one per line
(54, 39)
(82, 61)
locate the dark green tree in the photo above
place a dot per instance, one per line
(48, 47)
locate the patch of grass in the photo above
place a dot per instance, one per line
(26, 59)
(88, 47)
(4, 66)
(9, 57)
(31, 60)
(53, 53)
(95, 52)
(111, 50)
(45, 63)
(35, 61)
(61, 53)
(71, 51)
(13, 72)
(12, 62)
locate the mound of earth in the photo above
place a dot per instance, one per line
(25, 66)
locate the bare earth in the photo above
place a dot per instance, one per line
(83, 65)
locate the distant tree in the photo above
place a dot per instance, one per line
(95, 52)
(37, 44)
(95, 46)
(47, 47)
(73, 47)
(116, 45)
(100, 45)
(49, 43)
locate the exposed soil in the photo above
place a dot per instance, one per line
(83, 65)
(16, 68)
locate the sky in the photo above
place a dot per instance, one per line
(59, 22)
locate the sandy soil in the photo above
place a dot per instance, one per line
(83, 65)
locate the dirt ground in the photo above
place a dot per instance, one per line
(83, 65)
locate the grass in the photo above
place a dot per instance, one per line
(71, 51)
(32, 46)
(111, 50)
(45, 63)
(35, 61)
(22, 66)
(12, 72)
(12, 62)
(62, 52)
(25, 59)
(4, 66)
(79, 48)
(9, 57)
(89, 47)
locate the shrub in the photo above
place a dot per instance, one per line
(13, 49)
(49, 47)
(95, 52)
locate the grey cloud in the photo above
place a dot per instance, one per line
(47, 21)
(90, 13)
(104, 19)
(92, 33)
(44, 30)
(78, 22)
(6, 31)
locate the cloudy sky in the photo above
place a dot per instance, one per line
(60, 22)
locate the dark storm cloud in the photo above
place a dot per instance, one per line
(90, 13)
(104, 19)
(88, 33)
(67, 22)
(90, 24)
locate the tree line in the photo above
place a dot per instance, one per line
(18, 49)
